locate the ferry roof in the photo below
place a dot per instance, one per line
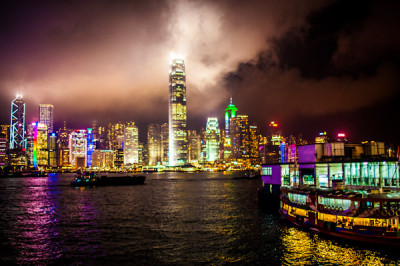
(339, 160)
(350, 194)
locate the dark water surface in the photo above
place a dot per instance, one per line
(174, 219)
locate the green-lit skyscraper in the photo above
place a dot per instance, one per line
(230, 112)
(178, 141)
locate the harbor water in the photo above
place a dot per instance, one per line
(174, 219)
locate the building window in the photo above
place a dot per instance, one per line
(267, 171)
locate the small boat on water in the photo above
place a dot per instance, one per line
(93, 180)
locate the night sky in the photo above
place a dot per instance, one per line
(310, 65)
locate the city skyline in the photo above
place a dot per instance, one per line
(312, 66)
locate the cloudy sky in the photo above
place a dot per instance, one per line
(311, 65)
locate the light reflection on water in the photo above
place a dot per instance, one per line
(35, 223)
(306, 248)
(174, 219)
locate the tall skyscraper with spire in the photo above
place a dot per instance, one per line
(178, 141)
(230, 112)
(46, 116)
(17, 125)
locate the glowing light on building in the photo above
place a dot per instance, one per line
(90, 148)
(178, 141)
(35, 145)
(322, 138)
(341, 137)
(276, 140)
(283, 152)
(273, 124)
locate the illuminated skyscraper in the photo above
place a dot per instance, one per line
(3, 150)
(30, 136)
(164, 143)
(178, 142)
(90, 148)
(17, 125)
(131, 144)
(154, 144)
(194, 150)
(52, 148)
(4, 144)
(103, 159)
(63, 147)
(40, 151)
(46, 116)
(230, 112)
(5, 129)
(240, 135)
(143, 153)
(276, 137)
(254, 143)
(78, 148)
(115, 133)
(212, 139)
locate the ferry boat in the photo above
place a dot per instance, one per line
(351, 191)
(93, 180)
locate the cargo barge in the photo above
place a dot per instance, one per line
(93, 180)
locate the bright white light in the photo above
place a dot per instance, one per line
(173, 56)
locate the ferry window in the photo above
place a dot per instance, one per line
(323, 181)
(336, 202)
(369, 204)
(321, 200)
(285, 175)
(308, 179)
(346, 204)
(266, 170)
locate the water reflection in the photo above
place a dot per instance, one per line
(305, 248)
(44, 226)
(175, 219)
(83, 233)
(36, 223)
